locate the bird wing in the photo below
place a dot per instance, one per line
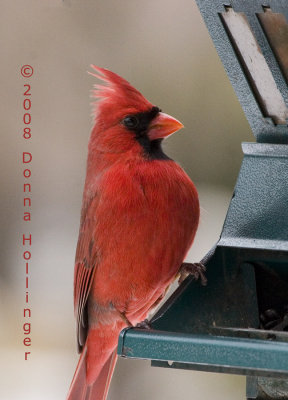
(86, 261)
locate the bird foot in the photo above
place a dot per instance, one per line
(144, 324)
(197, 270)
(141, 325)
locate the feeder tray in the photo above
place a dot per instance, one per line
(238, 323)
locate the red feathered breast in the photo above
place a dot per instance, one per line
(145, 222)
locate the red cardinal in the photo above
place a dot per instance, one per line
(139, 217)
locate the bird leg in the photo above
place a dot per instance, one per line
(197, 270)
(125, 319)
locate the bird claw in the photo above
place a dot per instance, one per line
(144, 324)
(197, 270)
(141, 325)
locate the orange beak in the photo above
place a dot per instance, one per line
(162, 126)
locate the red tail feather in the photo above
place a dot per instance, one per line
(98, 390)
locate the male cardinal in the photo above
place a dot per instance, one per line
(139, 217)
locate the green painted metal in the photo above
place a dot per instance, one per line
(245, 355)
(258, 215)
(263, 388)
(262, 127)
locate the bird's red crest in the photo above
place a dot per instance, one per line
(116, 93)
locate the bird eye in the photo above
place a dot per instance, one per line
(131, 121)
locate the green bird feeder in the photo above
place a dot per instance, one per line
(238, 323)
